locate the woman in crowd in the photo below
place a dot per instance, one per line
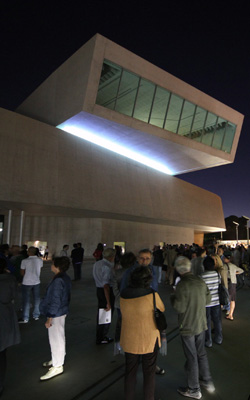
(127, 261)
(98, 252)
(55, 307)
(9, 328)
(140, 337)
(233, 270)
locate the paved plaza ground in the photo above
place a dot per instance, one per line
(93, 372)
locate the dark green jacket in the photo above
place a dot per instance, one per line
(189, 300)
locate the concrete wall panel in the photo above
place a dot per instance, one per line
(141, 235)
(48, 167)
(57, 231)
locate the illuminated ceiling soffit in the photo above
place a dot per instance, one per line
(154, 151)
(138, 119)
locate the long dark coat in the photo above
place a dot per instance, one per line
(9, 328)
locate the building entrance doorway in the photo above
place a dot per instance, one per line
(39, 244)
(122, 245)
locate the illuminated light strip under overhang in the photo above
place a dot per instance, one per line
(116, 148)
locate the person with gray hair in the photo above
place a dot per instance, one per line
(182, 265)
(108, 252)
(189, 300)
(102, 273)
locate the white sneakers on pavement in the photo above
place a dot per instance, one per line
(209, 386)
(193, 394)
(47, 363)
(53, 371)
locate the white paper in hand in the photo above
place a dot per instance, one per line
(104, 316)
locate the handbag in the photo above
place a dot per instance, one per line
(159, 316)
(223, 294)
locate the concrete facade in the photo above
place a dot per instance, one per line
(72, 190)
(67, 230)
(69, 95)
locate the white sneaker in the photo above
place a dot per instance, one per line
(193, 394)
(47, 363)
(53, 371)
(209, 386)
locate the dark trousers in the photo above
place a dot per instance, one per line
(77, 271)
(102, 330)
(148, 368)
(214, 314)
(2, 368)
(196, 360)
(118, 325)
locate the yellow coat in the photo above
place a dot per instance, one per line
(139, 332)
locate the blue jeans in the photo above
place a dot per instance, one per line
(196, 360)
(214, 314)
(26, 290)
(227, 307)
(159, 272)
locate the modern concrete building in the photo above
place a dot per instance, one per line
(90, 156)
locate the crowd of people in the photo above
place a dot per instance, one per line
(195, 274)
(23, 267)
(127, 283)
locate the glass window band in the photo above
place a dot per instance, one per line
(129, 94)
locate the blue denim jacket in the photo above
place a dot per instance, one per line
(57, 298)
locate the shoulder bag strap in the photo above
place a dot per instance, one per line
(154, 300)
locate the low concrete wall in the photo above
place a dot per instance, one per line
(57, 231)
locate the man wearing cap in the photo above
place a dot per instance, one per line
(232, 271)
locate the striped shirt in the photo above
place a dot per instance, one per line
(212, 280)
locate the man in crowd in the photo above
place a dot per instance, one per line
(102, 273)
(170, 255)
(31, 270)
(77, 259)
(144, 260)
(197, 267)
(64, 251)
(158, 261)
(4, 253)
(190, 300)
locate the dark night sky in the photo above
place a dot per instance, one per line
(205, 44)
